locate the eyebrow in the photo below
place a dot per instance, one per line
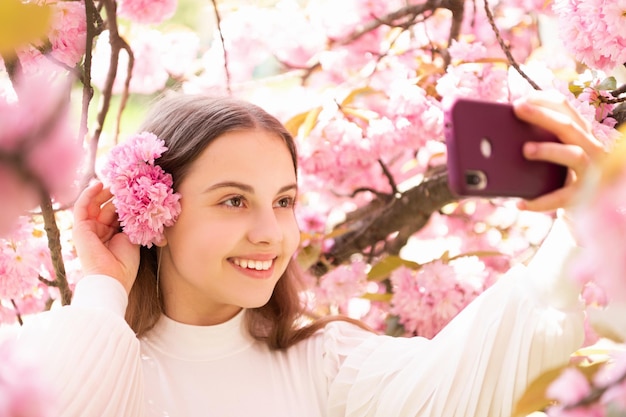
(245, 187)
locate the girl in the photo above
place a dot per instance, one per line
(212, 313)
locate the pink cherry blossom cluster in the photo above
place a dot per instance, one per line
(157, 56)
(594, 31)
(23, 391)
(601, 225)
(38, 149)
(25, 263)
(426, 299)
(147, 11)
(142, 192)
(604, 394)
(343, 284)
(67, 36)
(20, 263)
(69, 31)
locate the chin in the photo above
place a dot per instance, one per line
(255, 302)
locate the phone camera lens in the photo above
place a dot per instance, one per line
(472, 179)
(475, 179)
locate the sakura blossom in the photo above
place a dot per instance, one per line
(149, 73)
(427, 299)
(344, 283)
(23, 391)
(601, 224)
(147, 11)
(68, 32)
(571, 387)
(39, 152)
(143, 194)
(593, 31)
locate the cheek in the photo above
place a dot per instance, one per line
(292, 234)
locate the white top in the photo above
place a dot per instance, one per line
(477, 366)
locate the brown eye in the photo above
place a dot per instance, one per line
(236, 201)
(285, 202)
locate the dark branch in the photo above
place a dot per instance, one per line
(13, 66)
(378, 220)
(18, 315)
(408, 13)
(219, 29)
(506, 49)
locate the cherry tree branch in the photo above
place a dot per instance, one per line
(506, 49)
(17, 163)
(616, 96)
(224, 51)
(117, 44)
(18, 315)
(408, 212)
(405, 16)
(93, 30)
(13, 66)
(54, 244)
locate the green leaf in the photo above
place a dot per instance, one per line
(382, 269)
(609, 83)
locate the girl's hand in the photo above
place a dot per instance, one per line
(101, 247)
(579, 148)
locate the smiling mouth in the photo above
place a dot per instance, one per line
(252, 264)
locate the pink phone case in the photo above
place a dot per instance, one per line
(484, 152)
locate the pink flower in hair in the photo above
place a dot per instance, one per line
(142, 192)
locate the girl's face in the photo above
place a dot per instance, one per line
(236, 232)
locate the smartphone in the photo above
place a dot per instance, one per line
(484, 143)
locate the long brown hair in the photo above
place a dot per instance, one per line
(188, 124)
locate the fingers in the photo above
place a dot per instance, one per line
(548, 202)
(82, 206)
(94, 204)
(578, 150)
(570, 156)
(556, 102)
(554, 113)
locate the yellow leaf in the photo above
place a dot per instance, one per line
(22, 23)
(303, 123)
(613, 163)
(377, 297)
(357, 92)
(363, 114)
(310, 121)
(534, 398)
(293, 124)
(308, 256)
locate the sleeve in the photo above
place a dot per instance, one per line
(529, 321)
(89, 352)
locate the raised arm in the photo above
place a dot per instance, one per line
(87, 348)
(529, 321)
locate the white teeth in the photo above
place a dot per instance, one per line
(252, 264)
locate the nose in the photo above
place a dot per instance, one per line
(265, 227)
